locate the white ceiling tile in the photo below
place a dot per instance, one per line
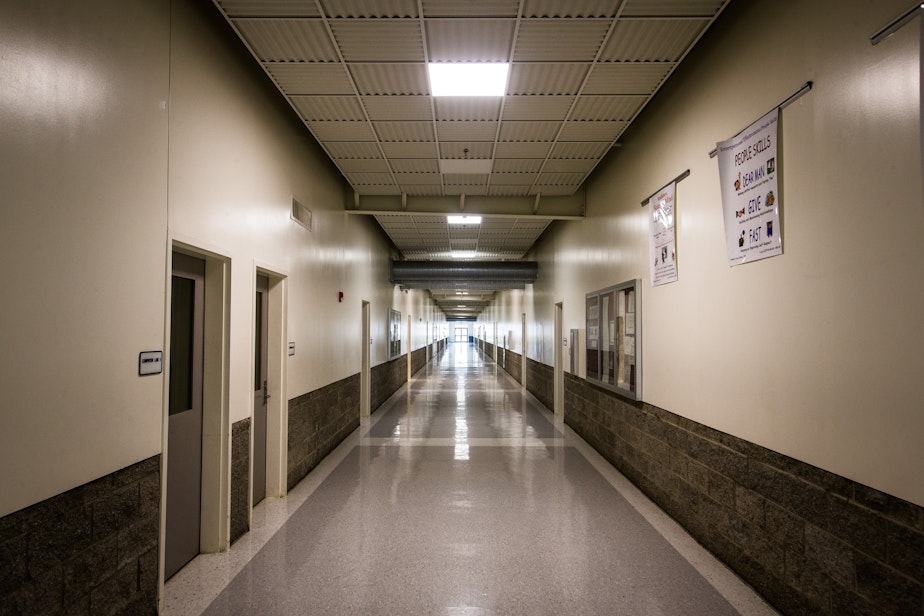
(472, 108)
(607, 108)
(415, 165)
(528, 131)
(522, 150)
(569, 8)
(341, 131)
(470, 8)
(269, 8)
(580, 150)
(546, 78)
(389, 78)
(410, 150)
(323, 79)
(626, 78)
(536, 108)
(466, 131)
(660, 8)
(476, 150)
(353, 150)
(517, 165)
(591, 131)
(460, 40)
(288, 40)
(381, 9)
(404, 131)
(651, 40)
(390, 108)
(559, 40)
(328, 108)
(377, 165)
(378, 40)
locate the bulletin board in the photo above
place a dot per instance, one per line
(613, 349)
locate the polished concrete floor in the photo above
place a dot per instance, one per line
(461, 496)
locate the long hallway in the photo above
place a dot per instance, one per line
(462, 495)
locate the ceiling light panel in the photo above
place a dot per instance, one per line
(468, 79)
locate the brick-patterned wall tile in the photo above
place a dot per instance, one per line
(83, 551)
(810, 541)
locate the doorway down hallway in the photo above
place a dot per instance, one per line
(461, 496)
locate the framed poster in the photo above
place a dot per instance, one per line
(394, 333)
(613, 321)
(750, 196)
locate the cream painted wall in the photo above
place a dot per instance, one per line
(126, 127)
(238, 155)
(83, 168)
(815, 353)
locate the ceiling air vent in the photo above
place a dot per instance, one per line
(301, 214)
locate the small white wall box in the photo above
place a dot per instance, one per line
(150, 362)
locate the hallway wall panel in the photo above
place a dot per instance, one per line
(816, 353)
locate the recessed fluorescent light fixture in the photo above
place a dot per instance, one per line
(469, 79)
(463, 254)
(463, 220)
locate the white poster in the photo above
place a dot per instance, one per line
(750, 199)
(663, 251)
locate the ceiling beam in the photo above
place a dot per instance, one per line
(544, 207)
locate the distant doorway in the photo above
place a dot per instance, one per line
(261, 386)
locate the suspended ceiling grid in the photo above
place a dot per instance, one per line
(355, 72)
(581, 70)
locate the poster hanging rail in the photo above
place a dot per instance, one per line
(786, 102)
(896, 24)
(676, 179)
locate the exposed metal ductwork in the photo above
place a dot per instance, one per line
(490, 275)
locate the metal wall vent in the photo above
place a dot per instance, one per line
(301, 214)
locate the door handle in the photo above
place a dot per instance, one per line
(266, 395)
